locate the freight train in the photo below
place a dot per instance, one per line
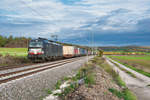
(43, 49)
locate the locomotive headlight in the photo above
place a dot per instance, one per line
(43, 52)
(36, 51)
(40, 51)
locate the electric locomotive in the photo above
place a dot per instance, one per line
(43, 49)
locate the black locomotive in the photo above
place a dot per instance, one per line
(44, 49)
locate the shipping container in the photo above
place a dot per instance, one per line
(79, 54)
(82, 51)
(89, 52)
(76, 51)
(69, 51)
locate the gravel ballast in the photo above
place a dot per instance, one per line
(34, 87)
(97, 91)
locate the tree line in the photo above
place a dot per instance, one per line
(14, 42)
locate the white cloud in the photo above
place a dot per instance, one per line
(53, 16)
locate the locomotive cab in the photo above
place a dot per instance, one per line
(36, 49)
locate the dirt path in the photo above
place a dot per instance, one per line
(138, 85)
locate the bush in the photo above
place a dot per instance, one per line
(89, 79)
(58, 84)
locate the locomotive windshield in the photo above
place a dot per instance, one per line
(35, 44)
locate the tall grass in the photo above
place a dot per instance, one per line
(101, 62)
(9, 60)
(126, 94)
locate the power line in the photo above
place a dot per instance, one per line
(33, 9)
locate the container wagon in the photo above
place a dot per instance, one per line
(76, 51)
(78, 54)
(69, 51)
(82, 52)
(89, 52)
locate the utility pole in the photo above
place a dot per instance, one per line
(92, 42)
(88, 50)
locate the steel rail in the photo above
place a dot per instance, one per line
(13, 67)
(13, 75)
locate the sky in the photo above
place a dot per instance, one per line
(106, 22)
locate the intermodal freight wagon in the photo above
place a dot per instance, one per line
(44, 49)
(69, 51)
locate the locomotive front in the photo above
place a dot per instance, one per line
(35, 49)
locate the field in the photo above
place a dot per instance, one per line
(141, 62)
(13, 51)
(124, 53)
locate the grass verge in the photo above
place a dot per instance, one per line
(133, 68)
(126, 71)
(126, 94)
(109, 70)
(88, 75)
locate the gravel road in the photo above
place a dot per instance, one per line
(138, 85)
(34, 87)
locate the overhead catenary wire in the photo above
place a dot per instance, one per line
(35, 11)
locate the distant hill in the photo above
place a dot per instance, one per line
(127, 48)
(145, 46)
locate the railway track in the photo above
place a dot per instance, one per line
(8, 67)
(12, 67)
(9, 76)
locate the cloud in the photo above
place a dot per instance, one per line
(144, 25)
(74, 19)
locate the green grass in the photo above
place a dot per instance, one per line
(90, 79)
(58, 84)
(49, 91)
(121, 60)
(115, 75)
(141, 60)
(86, 72)
(128, 72)
(66, 78)
(137, 57)
(101, 62)
(137, 70)
(138, 63)
(116, 92)
(14, 51)
(126, 94)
